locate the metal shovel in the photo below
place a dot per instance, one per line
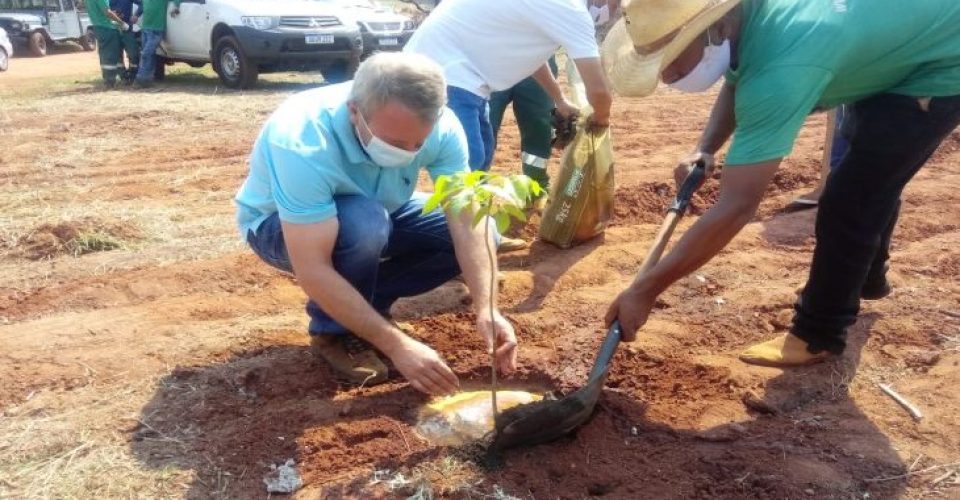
(544, 421)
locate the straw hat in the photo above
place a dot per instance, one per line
(650, 36)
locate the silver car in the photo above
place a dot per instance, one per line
(6, 50)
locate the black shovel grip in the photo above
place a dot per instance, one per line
(690, 185)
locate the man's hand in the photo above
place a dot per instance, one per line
(632, 307)
(566, 110)
(424, 368)
(690, 162)
(506, 340)
(597, 124)
(134, 19)
(564, 130)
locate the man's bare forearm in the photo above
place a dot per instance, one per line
(472, 254)
(544, 76)
(338, 298)
(704, 240)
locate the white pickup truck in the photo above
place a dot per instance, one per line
(243, 38)
(39, 23)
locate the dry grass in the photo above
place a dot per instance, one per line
(49, 450)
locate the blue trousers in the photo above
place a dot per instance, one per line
(473, 112)
(384, 256)
(148, 58)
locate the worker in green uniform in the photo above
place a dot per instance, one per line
(897, 65)
(153, 26)
(531, 107)
(107, 27)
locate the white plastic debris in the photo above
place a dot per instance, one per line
(283, 478)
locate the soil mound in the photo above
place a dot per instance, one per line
(75, 238)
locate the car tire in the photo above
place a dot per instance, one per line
(234, 68)
(4, 59)
(37, 44)
(340, 71)
(160, 69)
(88, 42)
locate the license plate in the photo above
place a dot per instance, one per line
(319, 39)
(389, 42)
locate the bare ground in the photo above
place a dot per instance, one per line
(174, 364)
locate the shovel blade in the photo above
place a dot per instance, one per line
(545, 421)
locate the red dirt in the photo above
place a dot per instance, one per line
(237, 390)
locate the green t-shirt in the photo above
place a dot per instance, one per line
(97, 10)
(154, 16)
(798, 55)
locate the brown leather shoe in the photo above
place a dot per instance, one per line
(351, 357)
(511, 244)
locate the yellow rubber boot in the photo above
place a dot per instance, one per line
(783, 351)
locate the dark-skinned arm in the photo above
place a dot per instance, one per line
(310, 247)
(718, 130)
(741, 190)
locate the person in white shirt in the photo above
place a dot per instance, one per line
(490, 45)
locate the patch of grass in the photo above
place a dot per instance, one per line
(448, 476)
(77, 237)
(51, 450)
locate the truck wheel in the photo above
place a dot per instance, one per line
(37, 44)
(340, 71)
(89, 41)
(235, 70)
(160, 68)
(4, 59)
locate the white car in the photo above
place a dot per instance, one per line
(382, 28)
(243, 38)
(6, 50)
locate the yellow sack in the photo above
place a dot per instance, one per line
(581, 203)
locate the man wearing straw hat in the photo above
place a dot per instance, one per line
(898, 66)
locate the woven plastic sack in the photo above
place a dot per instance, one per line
(581, 203)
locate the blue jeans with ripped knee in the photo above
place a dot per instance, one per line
(384, 255)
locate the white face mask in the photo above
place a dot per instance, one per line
(715, 62)
(383, 153)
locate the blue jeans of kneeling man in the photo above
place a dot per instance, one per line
(384, 256)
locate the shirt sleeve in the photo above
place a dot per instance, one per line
(453, 155)
(571, 26)
(297, 183)
(771, 107)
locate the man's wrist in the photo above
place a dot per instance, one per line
(390, 341)
(647, 286)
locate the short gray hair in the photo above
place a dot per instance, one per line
(410, 79)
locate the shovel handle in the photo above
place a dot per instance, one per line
(690, 185)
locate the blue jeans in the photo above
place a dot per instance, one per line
(148, 58)
(384, 256)
(473, 112)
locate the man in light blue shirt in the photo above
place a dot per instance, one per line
(330, 197)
